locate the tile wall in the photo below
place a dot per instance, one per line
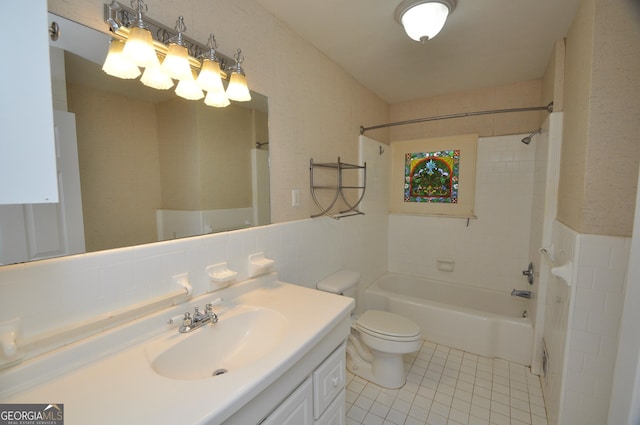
(594, 327)
(582, 322)
(504, 194)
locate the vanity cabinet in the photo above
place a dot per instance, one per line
(27, 148)
(296, 409)
(320, 399)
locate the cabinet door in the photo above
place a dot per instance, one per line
(296, 409)
(328, 380)
(27, 152)
(335, 413)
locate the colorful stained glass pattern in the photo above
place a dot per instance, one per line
(432, 176)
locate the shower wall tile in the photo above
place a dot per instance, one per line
(493, 249)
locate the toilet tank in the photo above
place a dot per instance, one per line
(343, 282)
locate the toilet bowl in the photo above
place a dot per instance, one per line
(378, 339)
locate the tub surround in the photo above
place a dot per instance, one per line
(108, 377)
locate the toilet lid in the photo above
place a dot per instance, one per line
(385, 324)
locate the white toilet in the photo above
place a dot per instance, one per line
(378, 339)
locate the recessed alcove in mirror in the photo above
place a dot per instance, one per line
(151, 166)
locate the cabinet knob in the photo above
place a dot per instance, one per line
(335, 381)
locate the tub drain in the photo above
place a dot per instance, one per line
(219, 372)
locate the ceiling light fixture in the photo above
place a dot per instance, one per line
(423, 19)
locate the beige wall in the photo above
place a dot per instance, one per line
(518, 95)
(205, 155)
(118, 206)
(179, 153)
(600, 151)
(553, 79)
(315, 107)
(225, 168)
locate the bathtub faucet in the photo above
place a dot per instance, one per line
(522, 294)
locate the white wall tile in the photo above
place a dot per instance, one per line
(504, 196)
(601, 272)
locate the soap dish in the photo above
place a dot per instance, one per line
(221, 275)
(258, 264)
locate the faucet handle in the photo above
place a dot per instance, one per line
(187, 321)
(196, 314)
(208, 310)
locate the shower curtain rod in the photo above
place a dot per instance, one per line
(548, 108)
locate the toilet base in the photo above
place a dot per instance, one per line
(386, 370)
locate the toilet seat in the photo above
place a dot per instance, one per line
(388, 326)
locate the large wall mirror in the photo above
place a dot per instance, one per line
(150, 166)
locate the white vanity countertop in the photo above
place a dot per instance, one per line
(122, 388)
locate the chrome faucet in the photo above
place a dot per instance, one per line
(191, 323)
(522, 294)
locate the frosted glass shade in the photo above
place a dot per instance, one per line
(209, 77)
(154, 77)
(188, 89)
(116, 65)
(139, 48)
(425, 20)
(217, 99)
(237, 89)
(176, 63)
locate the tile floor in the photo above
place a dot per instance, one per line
(450, 387)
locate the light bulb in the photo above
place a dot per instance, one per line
(237, 89)
(139, 48)
(188, 89)
(209, 77)
(176, 63)
(154, 77)
(217, 99)
(116, 65)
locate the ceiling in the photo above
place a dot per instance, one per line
(484, 42)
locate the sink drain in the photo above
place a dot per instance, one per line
(219, 372)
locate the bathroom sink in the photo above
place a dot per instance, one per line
(242, 336)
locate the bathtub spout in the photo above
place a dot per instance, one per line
(522, 294)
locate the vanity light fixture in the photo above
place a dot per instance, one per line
(424, 19)
(237, 89)
(167, 54)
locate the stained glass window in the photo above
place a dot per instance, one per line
(432, 176)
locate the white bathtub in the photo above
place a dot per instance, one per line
(478, 321)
